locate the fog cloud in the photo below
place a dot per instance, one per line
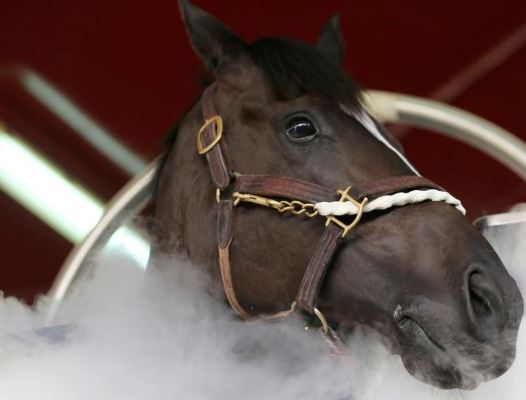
(127, 335)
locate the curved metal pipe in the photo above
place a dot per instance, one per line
(453, 122)
(128, 201)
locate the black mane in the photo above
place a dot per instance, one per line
(294, 68)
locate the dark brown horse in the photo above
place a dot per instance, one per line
(421, 275)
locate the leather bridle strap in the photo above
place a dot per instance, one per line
(317, 269)
(225, 215)
(292, 188)
(283, 187)
(208, 141)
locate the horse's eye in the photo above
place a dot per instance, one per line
(301, 129)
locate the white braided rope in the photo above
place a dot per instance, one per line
(393, 200)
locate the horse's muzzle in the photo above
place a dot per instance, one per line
(464, 342)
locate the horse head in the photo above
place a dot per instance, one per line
(420, 275)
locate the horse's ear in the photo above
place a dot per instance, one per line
(212, 40)
(330, 42)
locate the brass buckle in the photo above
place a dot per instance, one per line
(344, 196)
(218, 123)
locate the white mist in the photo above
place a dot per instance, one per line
(133, 336)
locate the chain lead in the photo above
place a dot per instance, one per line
(295, 207)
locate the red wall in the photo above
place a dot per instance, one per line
(129, 66)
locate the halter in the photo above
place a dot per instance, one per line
(301, 198)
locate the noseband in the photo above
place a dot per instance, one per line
(301, 198)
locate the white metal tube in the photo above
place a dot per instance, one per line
(453, 122)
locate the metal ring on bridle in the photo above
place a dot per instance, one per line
(323, 320)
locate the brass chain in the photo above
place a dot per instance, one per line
(295, 207)
(298, 208)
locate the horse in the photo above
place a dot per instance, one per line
(252, 191)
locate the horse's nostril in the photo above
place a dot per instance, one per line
(479, 303)
(482, 301)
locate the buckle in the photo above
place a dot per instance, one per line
(345, 196)
(218, 132)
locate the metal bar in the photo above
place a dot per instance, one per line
(505, 219)
(453, 122)
(129, 201)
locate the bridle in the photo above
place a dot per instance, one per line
(310, 200)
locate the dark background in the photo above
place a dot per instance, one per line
(129, 66)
